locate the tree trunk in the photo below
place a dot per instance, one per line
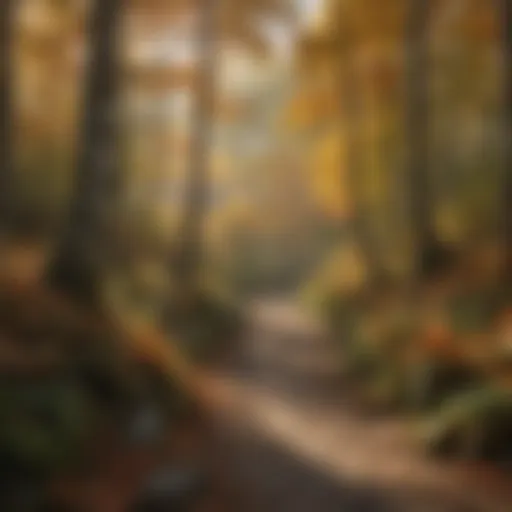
(506, 15)
(359, 218)
(77, 267)
(351, 106)
(417, 135)
(190, 249)
(6, 134)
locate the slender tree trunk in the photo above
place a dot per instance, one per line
(351, 106)
(6, 133)
(191, 250)
(506, 14)
(77, 267)
(417, 136)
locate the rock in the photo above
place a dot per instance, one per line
(147, 426)
(171, 489)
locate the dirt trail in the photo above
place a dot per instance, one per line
(291, 442)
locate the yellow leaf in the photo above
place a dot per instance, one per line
(327, 172)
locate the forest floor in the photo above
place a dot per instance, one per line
(287, 435)
(116, 472)
(291, 439)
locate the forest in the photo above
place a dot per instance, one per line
(231, 226)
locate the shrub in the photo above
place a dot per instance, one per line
(44, 423)
(205, 325)
(475, 424)
(431, 381)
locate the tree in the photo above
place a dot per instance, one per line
(232, 20)
(77, 267)
(6, 142)
(338, 42)
(506, 8)
(351, 114)
(417, 126)
(190, 250)
(430, 257)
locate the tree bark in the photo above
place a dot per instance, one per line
(79, 261)
(417, 135)
(506, 14)
(6, 125)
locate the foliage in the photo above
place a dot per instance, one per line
(474, 424)
(442, 355)
(65, 376)
(44, 424)
(207, 325)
